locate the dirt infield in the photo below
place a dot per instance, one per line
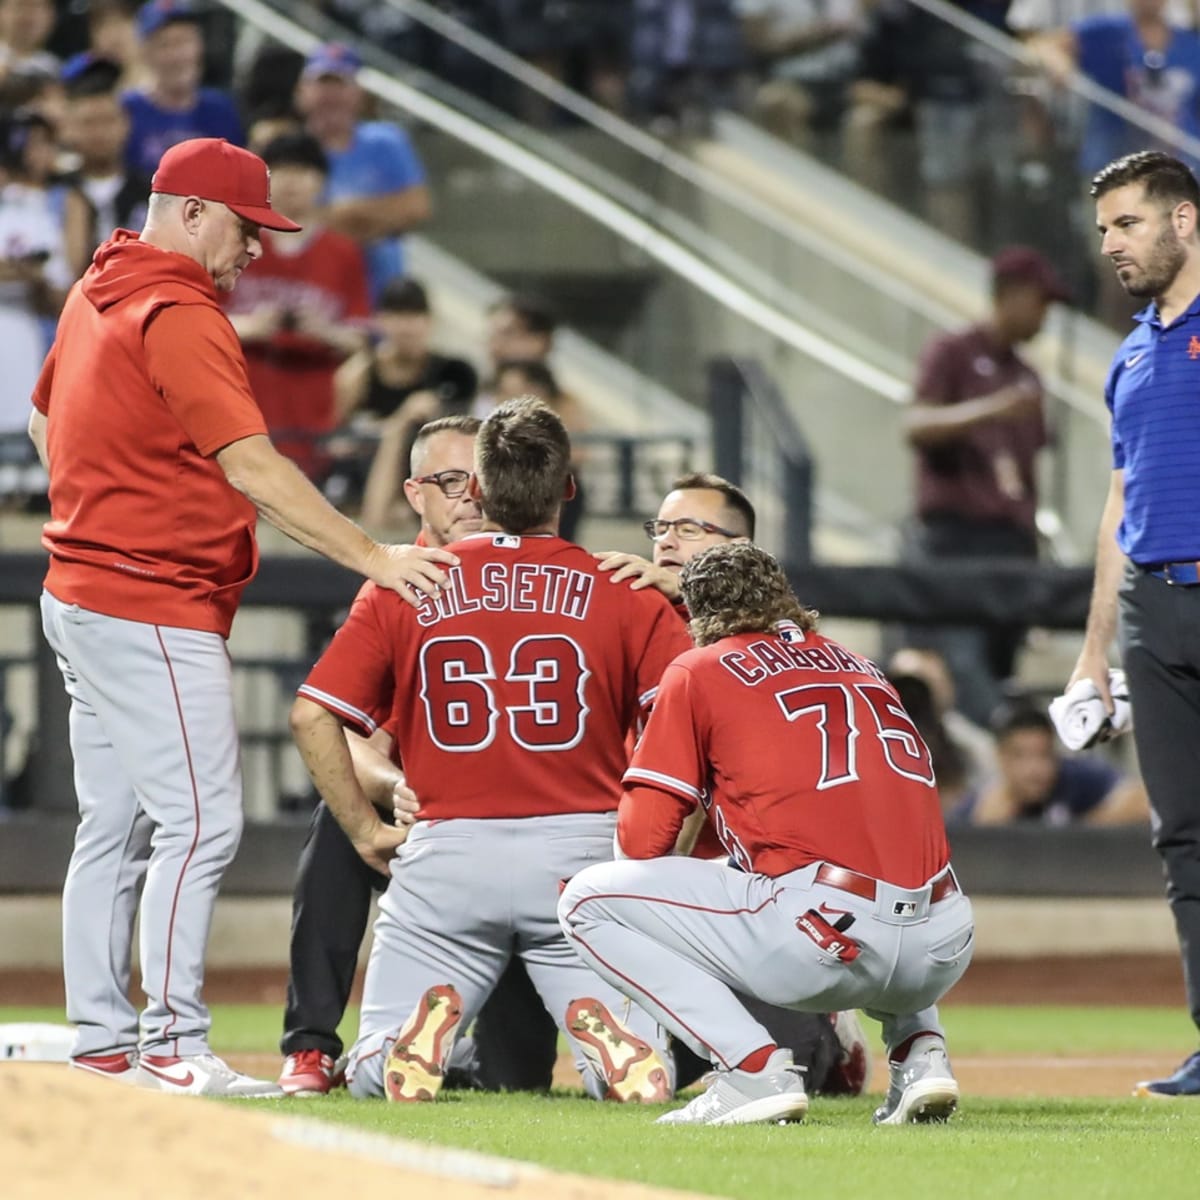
(1125, 980)
(187, 1149)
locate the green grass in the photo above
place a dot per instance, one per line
(972, 1029)
(1053, 1148)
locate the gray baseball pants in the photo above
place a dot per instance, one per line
(678, 936)
(158, 781)
(467, 895)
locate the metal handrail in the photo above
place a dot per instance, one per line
(660, 153)
(746, 203)
(667, 251)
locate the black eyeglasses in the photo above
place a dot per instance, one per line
(451, 483)
(687, 528)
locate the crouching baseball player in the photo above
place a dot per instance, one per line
(821, 789)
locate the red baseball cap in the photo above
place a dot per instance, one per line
(214, 169)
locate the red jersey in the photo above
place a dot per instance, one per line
(801, 752)
(144, 384)
(510, 695)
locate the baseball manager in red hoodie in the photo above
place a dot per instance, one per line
(159, 463)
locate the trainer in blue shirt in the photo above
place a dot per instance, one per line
(376, 190)
(174, 107)
(1148, 552)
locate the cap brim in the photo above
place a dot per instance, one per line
(265, 218)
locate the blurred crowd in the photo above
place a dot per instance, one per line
(338, 336)
(878, 86)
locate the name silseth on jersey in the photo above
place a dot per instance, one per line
(512, 587)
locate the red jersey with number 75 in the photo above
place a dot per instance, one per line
(511, 694)
(801, 752)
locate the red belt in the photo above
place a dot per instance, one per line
(863, 885)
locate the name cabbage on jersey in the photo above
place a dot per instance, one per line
(768, 657)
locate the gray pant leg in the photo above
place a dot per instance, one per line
(163, 698)
(439, 922)
(108, 863)
(681, 937)
(1160, 642)
(567, 844)
(898, 1029)
(638, 926)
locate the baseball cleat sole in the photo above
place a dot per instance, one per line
(631, 1068)
(415, 1065)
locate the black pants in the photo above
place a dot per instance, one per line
(516, 1041)
(1160, 644)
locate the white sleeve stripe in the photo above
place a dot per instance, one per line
(637, 774)
(646, 697)
(325, 700)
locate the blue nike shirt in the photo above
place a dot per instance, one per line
(1153, 393)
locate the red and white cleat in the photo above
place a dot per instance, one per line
(308, 1073)
(631, 1067)
(122, 1066)
(851, 1073)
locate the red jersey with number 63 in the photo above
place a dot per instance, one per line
(801, 752)
(511, 694)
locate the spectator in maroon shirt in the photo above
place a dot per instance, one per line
(976, 425)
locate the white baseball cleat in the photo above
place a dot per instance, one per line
(120, 1067)
(776, 1093)
(201, 1075)
(923, 1088)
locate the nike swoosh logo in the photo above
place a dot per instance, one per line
(1133, 360)
(183, 1081)
(841, 912)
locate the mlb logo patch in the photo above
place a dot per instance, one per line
(790, 632)
(506, 541)
(904, 908)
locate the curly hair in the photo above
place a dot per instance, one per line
(739, 588)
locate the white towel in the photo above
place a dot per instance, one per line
(1082, 720)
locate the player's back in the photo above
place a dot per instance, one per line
(516, 687)
(814, 758)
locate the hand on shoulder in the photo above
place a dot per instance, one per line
(640, 572)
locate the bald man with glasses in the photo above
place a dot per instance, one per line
(332, 897)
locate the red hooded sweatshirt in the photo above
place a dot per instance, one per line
(145, 383)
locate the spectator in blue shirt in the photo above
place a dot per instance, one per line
(376, 190)
(173, 106)
(1141, 57)
(1037, 784)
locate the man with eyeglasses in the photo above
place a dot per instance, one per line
(515, 1040)
(699, 511)
(509, 698)
(703, 510)
(332, 896)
